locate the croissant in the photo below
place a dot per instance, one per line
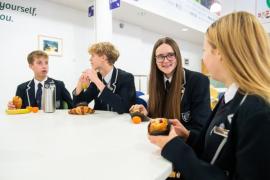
(81, 110)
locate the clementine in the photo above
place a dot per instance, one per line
(35, 109)
(136, 119)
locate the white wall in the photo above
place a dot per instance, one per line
(136, 44)
(20, 37)
(229, 6)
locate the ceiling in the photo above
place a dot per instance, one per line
(146, 20)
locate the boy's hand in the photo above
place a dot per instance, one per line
(83, 79)
(92, 75)
(11, 105)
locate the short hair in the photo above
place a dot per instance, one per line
(107, 49)
(36, 54)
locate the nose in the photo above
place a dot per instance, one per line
(165, 59)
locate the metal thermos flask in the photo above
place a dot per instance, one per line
(49, 98)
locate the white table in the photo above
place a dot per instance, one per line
(59, 146)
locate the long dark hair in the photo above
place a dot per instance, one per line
(160, 104)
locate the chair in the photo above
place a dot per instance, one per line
(140, 99)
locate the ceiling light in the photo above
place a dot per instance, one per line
(215, 7)
(184, 29)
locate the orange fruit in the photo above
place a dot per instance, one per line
(17, 101)
(34, 109)
(136, 119)
(84, 85)
(29, 108)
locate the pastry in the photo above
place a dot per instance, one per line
(81, 110)
(159, 126)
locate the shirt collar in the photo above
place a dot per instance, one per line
(230, 92)
(108, 77)
(42, 82)
(167, 79)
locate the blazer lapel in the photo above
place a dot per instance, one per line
(114, 79)
(183, 84)
(30, 93)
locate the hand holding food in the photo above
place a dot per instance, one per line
(137, 115)
(17, 102)
(159, 126)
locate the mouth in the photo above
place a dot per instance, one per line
(167, 66)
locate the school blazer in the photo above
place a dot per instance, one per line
(195, 103)
(118, 96)
(27, 92)
(241, 155)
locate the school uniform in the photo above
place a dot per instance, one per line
(28, 91)
(195, 105)
(233, 146)
(195, 102)
(118, 95)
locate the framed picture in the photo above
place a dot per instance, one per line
(51, 45)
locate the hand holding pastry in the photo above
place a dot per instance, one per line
(180, 129)
(16, 103)
(161, 141)
(11, 105)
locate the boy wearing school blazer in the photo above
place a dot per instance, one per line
(31, 91)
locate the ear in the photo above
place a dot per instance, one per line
(31, 66)
(217, 53)
(104, 58)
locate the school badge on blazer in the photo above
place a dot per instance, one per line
(186, 116)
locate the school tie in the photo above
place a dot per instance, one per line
(167, 86)
(38, 95)
(104, 82)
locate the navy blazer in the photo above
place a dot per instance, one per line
(118, 96)
(195, 103)
(27, 92)
(237, 150)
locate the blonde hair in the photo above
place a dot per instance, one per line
(245, 50)
(36, 54)
(107, 49)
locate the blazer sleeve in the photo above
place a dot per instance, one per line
(185, 161)
(253, 146)
(200, 107)
(21, 94)
(121, 100)
(66, 95)
(252, 157)
(85, 96)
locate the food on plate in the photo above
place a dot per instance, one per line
(81, 110)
